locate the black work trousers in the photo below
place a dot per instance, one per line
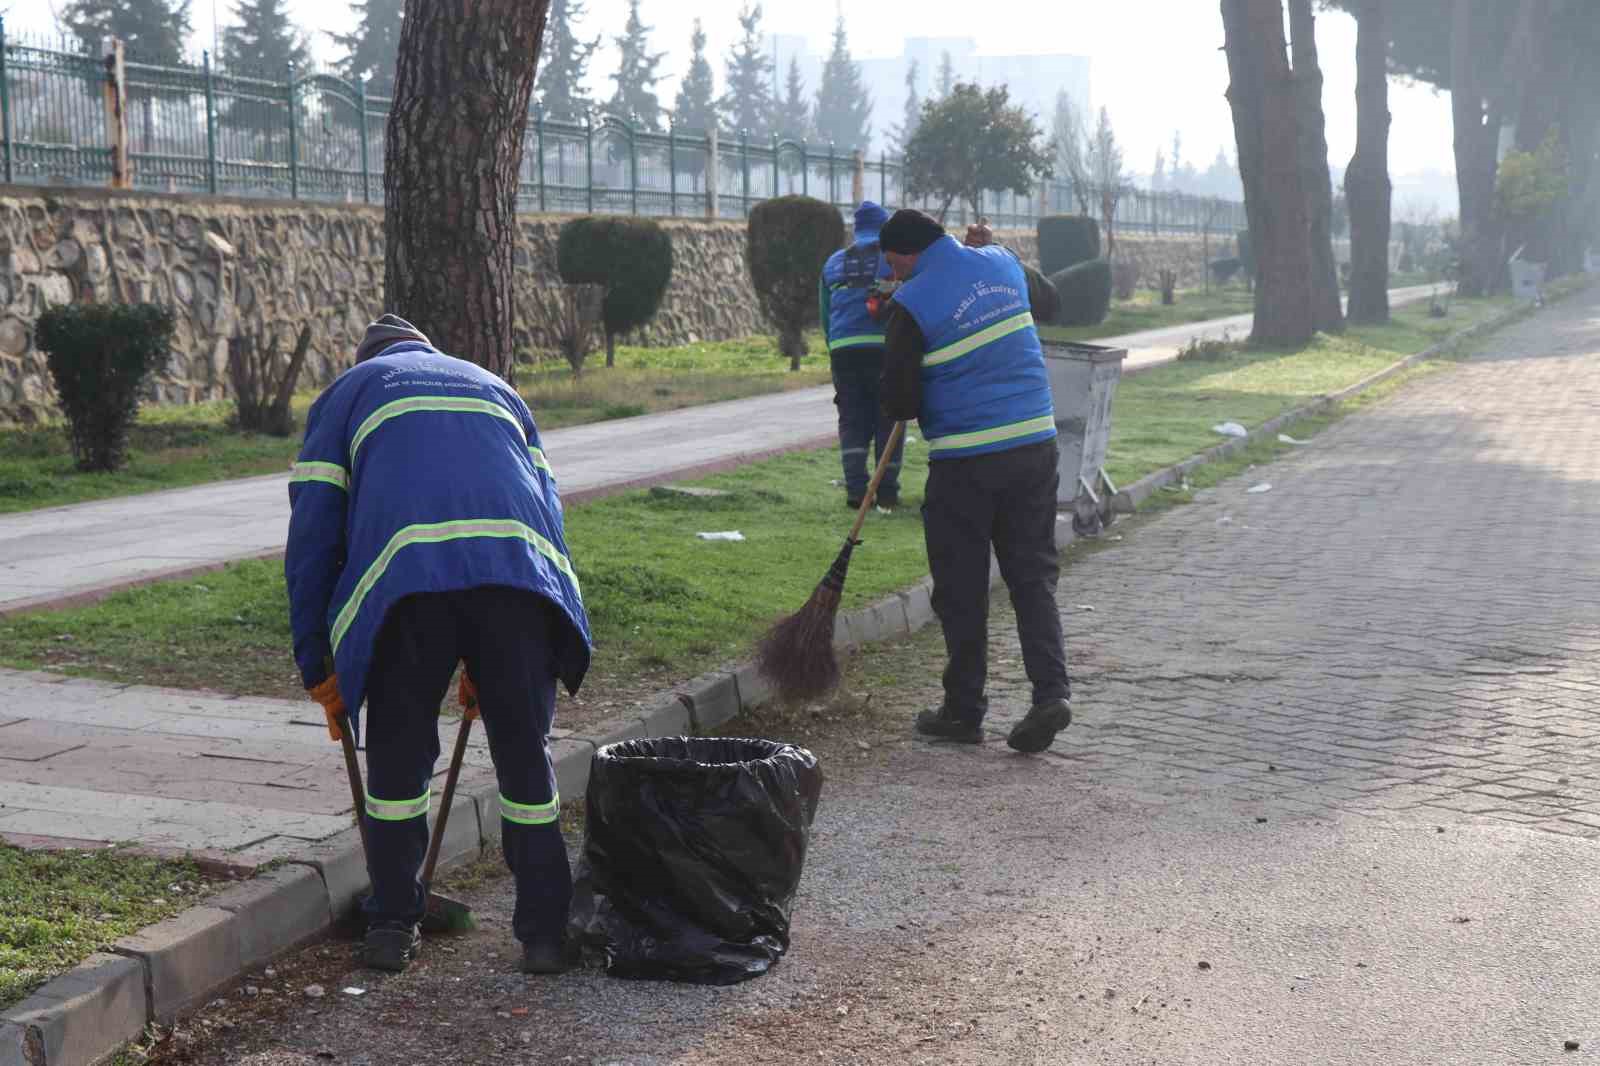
(506, 637)
(1004, 500)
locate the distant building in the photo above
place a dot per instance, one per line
(1033, 80)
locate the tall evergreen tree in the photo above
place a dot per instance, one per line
(153, 30)
(747, 104)
(947, 75)
(636, 76)
(563, 64)
(794, 111)
(264, 39)
(844, 107)
(369, 52)
(695, 106)
(911, 115)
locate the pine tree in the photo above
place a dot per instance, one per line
(153, 30)
(636, 76)
(371, 50)
(844, 108)
(264, 41)
(563, 63)
(748, 105)
(947, 75)
(794, 112)
(912, 114)
(695, 106)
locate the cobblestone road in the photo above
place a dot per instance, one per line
(1406, 621)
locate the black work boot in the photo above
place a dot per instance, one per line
(939, 724)
(543, 957)
(390, 946)
(1038, 730)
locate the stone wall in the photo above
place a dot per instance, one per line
(223, 264)
(231, 264)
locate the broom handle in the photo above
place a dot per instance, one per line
(877, 478)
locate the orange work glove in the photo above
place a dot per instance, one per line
(467, 696)
(327, 694)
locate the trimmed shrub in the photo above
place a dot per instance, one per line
(100, 356)
(1067, 240)
(1225, 270)
(631, 257)
(1247, 255)
(1085, 292)
(788, 241)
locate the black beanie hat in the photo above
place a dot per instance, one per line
(909, 232)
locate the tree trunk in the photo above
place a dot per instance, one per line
(454, 149)
(1261, 94)
(1326, 310)
(1477, 144)
(1367, 187)
(611, 349)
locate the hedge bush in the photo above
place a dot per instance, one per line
(631, 257)
(1067, 240)
(1085, 292)
(100, 356)
(788, 241)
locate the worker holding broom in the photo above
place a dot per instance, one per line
(962, 357)
(427, 531)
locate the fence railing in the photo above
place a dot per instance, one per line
(317, 136)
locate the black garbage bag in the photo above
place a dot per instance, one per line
(692, 855)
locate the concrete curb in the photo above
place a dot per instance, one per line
(86, 1014)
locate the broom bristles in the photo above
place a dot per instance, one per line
(797, 655)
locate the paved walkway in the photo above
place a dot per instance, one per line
(82, 551)
(1332, 797)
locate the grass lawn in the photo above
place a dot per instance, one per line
(62, 906)
(666, 605)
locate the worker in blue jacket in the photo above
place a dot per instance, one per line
(963, 357)
(851, 279)
(426, 531)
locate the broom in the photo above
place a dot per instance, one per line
(796, 655)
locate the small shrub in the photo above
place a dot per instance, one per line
(631, 257)
(263, 384)
(788, 241)
(579, 322)
(1210, 351)
(1169, 287)
(1225, 270)
(1247, 255)
(1085, 292)
(1124, 278)
(1067, 240)
(100, 356)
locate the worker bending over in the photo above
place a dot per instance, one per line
(426, 531)
(962, 357)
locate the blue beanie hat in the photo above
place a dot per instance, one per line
(870, 217)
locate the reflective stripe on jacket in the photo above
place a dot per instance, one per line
(419, 473)
(984, 383)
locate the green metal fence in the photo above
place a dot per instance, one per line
(317, 136)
